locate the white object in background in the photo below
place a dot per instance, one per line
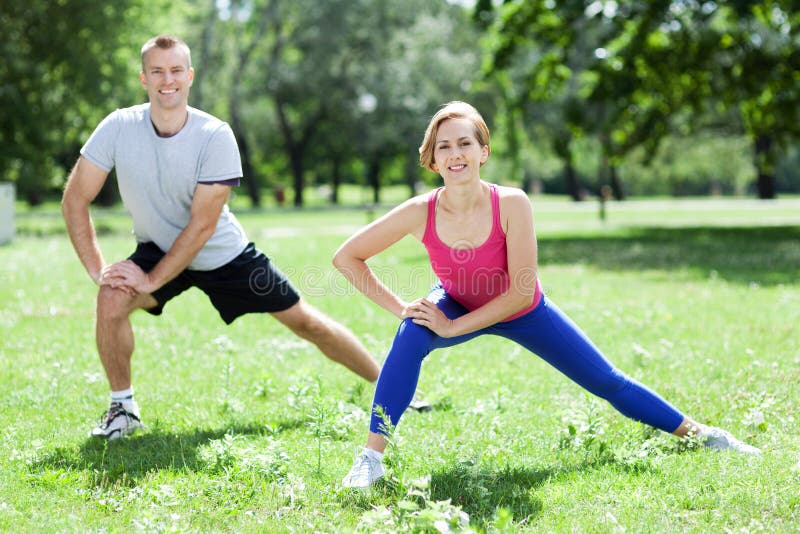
(6, 212)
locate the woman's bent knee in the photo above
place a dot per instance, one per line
(410, 333)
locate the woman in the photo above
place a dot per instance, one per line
(482, 246)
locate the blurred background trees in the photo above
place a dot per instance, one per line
(645, 97)
(629, 75)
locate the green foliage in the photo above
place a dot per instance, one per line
(627, 73)
(416, 512)
(60, 74)
(692, 165)
(319, 96)
(578, 94)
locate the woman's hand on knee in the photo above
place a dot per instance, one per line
(425, 313)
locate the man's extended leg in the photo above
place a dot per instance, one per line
(333, 339)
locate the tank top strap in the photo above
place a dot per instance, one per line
(496, 225)
(430, 225)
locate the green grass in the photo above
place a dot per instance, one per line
(250, 429)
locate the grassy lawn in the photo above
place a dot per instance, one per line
(250, 429)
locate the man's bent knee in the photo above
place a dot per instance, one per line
(115, 303)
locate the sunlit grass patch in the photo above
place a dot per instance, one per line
(249, 428)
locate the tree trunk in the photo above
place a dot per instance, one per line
(608, 170)
(244, 54)
(374, 178)
(562, 147)
(573, 185)
(336, 180)
(616, 183)
(250, 178)
(108, 194)
(296, 161)
(766, 175)
(766, 186)
(248, 173)
(296, 143)
(204, 63)
(294, 149)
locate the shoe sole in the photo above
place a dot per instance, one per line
(361, 488)
(117, 433)
(420, 406)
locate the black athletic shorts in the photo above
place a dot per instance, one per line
(250, 283)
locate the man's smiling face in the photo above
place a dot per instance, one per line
(167, 78)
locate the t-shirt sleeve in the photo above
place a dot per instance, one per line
(222, 161)
(99, 148)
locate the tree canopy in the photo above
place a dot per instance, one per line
(579, 94)
(630, 73)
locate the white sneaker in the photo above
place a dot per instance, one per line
(117, 423)
(420, 405)
(720, 440)
(365, 472)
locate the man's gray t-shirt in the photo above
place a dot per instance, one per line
(157, 176)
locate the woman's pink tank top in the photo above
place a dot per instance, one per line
(473, 276)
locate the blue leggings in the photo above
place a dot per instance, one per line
(545, 331)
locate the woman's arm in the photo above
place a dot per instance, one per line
(351, 258)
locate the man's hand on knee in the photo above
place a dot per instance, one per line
(127, 276)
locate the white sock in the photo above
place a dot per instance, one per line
(125, 397)
(374, 454)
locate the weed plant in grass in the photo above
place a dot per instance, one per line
(251, 429)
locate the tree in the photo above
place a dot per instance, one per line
(650, 62)
(426, 57)
(302, 69)
(339, 90)
(596, 70)
(759, 59)
(59, 75)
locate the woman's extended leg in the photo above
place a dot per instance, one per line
(549, 333)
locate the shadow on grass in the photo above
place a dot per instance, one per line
(762, 255)
(480, 491)
(154, 449)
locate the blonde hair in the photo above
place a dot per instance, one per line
(451, 110)
(165, 42)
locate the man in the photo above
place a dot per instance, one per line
(175, 167)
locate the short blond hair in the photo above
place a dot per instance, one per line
(451, 110)
(165, 42)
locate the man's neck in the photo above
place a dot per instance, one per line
(168, 123)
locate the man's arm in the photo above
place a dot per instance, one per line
(83, 185)
(207, 206)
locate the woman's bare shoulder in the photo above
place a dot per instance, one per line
(415, 205)
(513, 198)
(505, 191)
(409, 216)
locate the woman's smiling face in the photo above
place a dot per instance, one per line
(457, 152)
